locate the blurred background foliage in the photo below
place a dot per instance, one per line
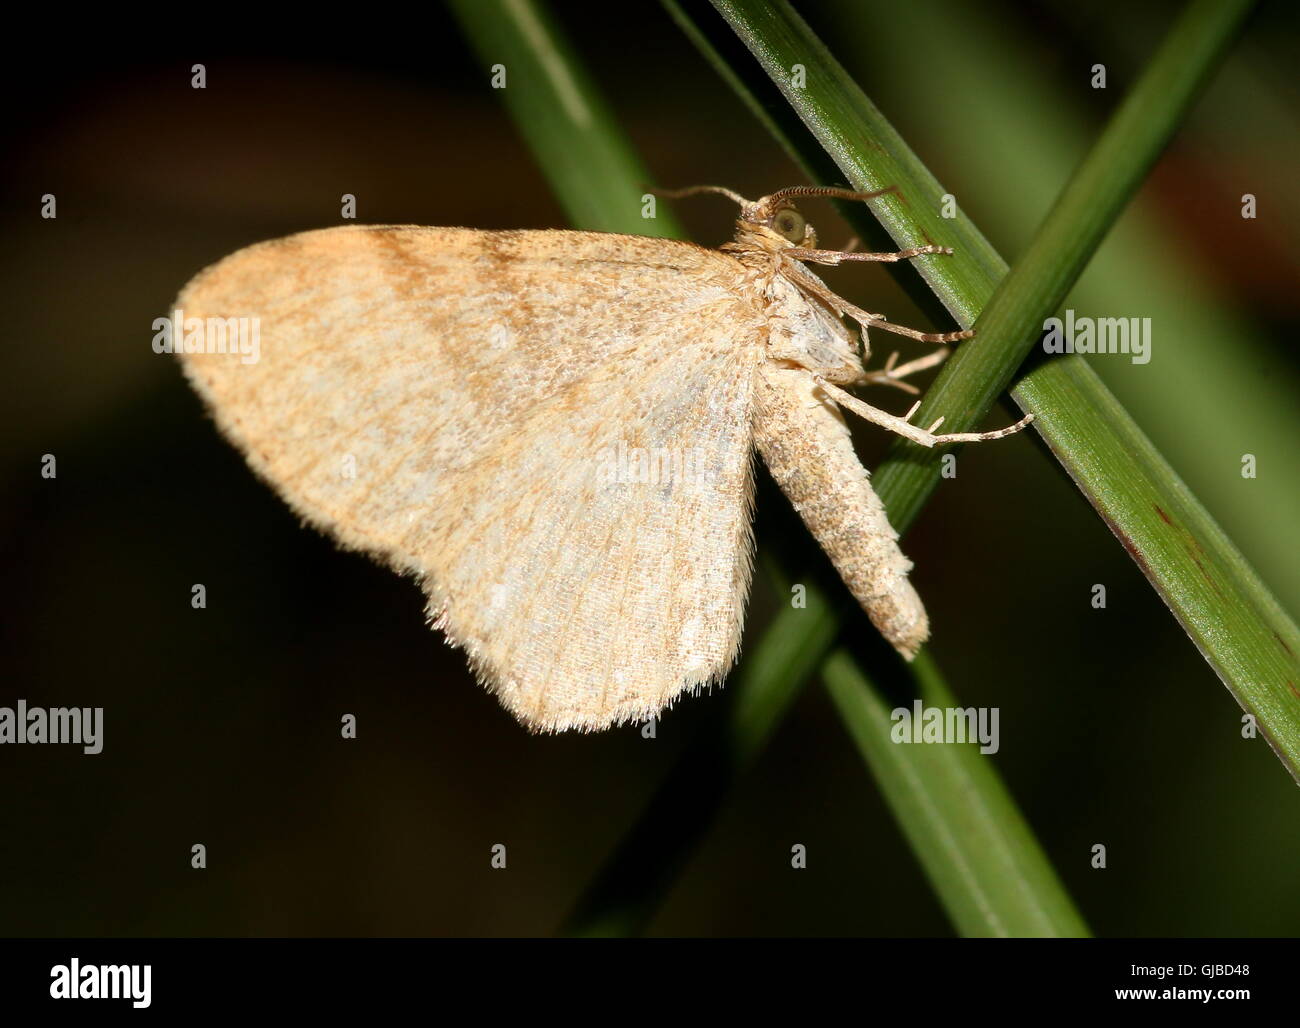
(222, 724)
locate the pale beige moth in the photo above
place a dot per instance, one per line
(553, 433)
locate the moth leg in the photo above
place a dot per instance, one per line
(911, 333)
(833, 299)
(904, 427)
(893, 376)
(866, 318)
(800, 253)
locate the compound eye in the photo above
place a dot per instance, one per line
(789, 223)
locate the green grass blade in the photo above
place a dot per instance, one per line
(1011, 321)
(585, 156)
(1217, 597)
(975, 846)
(1210, 355)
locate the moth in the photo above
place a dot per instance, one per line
(553, 433)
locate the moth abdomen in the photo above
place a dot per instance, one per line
(807, 448)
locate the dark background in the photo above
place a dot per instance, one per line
(222, 725)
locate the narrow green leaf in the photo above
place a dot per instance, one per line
(1209, 353)
(975, 846)
(577, 142)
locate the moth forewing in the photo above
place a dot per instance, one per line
(552, 431)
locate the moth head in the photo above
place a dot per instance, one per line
(776, 217)
(773, 222)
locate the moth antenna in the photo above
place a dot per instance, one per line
(679, 194)
(834, 192)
